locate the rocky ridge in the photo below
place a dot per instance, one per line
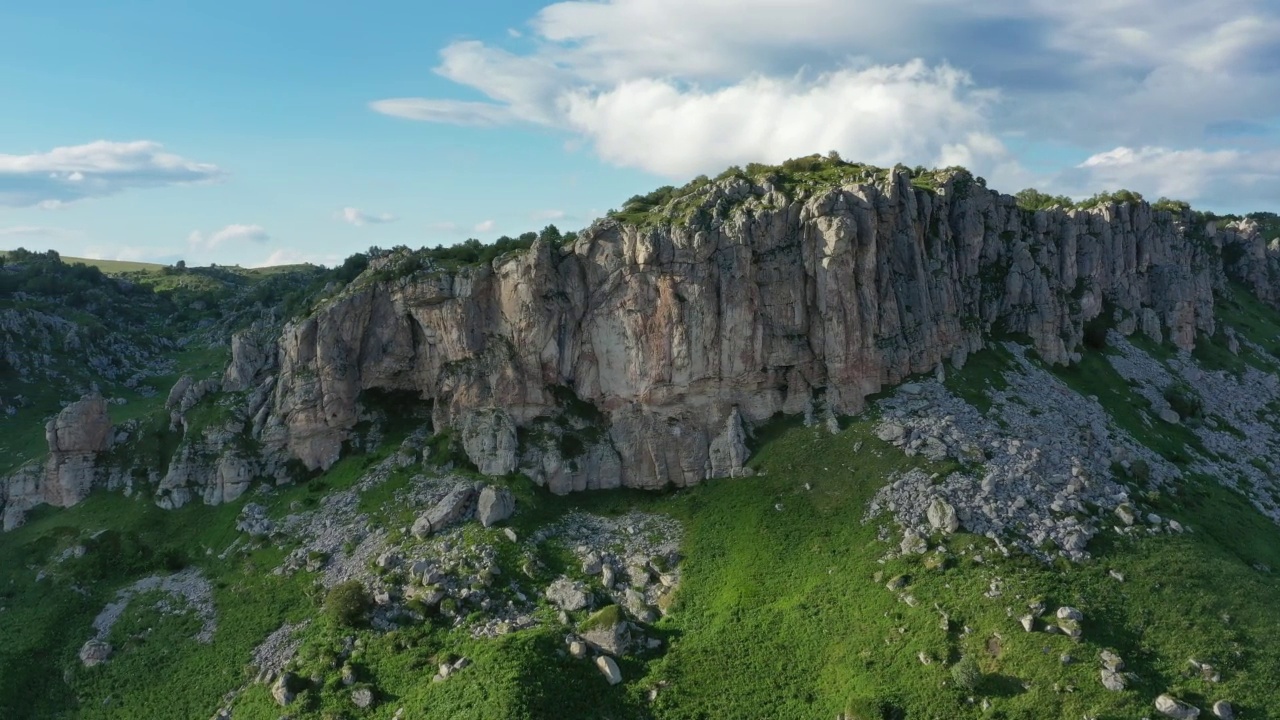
(642, 354)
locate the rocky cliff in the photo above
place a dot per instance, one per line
(739, 302)
(641, 354)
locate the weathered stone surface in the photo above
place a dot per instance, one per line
(496, 504)
(75, 437)
(252, 354)
(568, 595)
(362, 698)
(489, 438)
(1223, 710)
(1170, 706)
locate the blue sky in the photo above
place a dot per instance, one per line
(280, 131)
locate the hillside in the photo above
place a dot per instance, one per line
(814, 440)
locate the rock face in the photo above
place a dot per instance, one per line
(684, 335)
(642, 356)
(489, 437)
(75, 436)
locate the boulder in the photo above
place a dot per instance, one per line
(362, 698)
(1223, 710)
(1172, 707)
(891, 432)
(94, 652)
(606, 631)
(1070, 613)
(281, 691)
(1111, 661)
(913, 544)
(496, 504)
(942, 516)
(568, 595)
(1112, 680)
(609, 669)
(454, 507)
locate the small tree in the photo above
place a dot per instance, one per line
(347, 603)
(551, 234)
(966, 674)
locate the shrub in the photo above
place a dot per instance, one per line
(863, 709)
(1184, 401)
(347, 603)
(1032, 200)
(966, 673)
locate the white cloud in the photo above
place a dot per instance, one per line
(97, 169)
(357, 217)
(131, 253)
(445, 111)
(290, 256)
(548, 215)
(918, 81)
(19, 233)
(663, 128)
(485, 226)
(1227, 178)
(229, 235)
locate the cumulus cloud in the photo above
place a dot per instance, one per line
(357, 217)
(229, 235)
(20, 233)
(916, 81)
(485, 226)
(658, 126)
(1229, 178)
(97, 169)
(291, 256)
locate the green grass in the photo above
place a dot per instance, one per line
(781, 613)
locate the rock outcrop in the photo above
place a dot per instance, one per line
(75, 437)
(685, 334)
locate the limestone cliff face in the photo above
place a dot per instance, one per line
(642, 356)
(684, 334)
(75, 437)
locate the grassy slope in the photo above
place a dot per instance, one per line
(778, 616)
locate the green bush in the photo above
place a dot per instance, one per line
(1184, 401)
(347, 603)
(966, 674)
(1032, 200)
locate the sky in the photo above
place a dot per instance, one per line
(280, 131)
